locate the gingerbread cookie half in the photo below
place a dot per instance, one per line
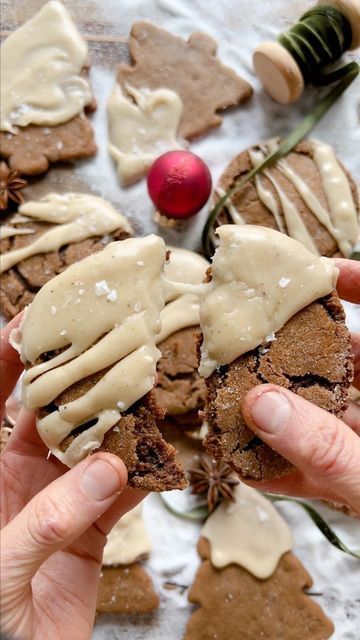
(271, 315)
(88, 344)
(180, 389)
(43, 110)
(309, 195)
(48, 235)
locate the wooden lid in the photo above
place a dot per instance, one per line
(279, 72)
(351, 10)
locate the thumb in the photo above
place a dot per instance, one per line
(315, 441)
(57, 516)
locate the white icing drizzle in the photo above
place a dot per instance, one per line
(341, 219)
(260, 279)
(182, 309)
(76, 216)
(128, 540)
(249, 533)
(234, 213)
(294, 223)
(344, 217)
(142, 129)
(104, 311)
(8, 231)
(41, 64)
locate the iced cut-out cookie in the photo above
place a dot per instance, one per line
(249, 580)
(45, 92)
(190, 69)
(125, 586)
(232, 598)
(142, 126)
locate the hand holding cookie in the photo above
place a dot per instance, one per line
(54, 523)
(325, 450)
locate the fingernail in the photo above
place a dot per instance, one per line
(100, 480)
(271, 411)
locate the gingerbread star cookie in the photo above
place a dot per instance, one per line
(188, 68)
(43, 110)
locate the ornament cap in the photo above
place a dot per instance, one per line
(279, 72)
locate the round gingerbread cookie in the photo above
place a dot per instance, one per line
(304, 195)
(46, 236)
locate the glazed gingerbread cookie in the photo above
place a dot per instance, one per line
(249, 579)
(188, 68)
(88, 342)
(46, 236)
(125, 587)
(271, 315)
(43, 111)
(309, 195)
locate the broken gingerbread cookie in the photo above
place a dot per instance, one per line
(180, 389)
(308, 195)
(249, 579)
(43, 110)
(125, 587)
(88, 344)
(172, 92)
(271, 314)
(46, 236)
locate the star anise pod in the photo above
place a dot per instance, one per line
(214, 480)
(10, 186)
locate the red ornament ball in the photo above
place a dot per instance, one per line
(179, 184)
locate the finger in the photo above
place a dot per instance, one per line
(124, 503)
(355, 343)
(352, 417)
(348, 284)
(315, 441)
(57, 516)
(10, 363)
(24, 436)
(297, 485)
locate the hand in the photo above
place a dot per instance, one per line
(324, 450)
(54, 526)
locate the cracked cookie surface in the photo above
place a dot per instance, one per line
(310, 356)
(19, 285)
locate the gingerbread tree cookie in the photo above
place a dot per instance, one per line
(42, 111)
(249, 580)
(125, 586)
(190, 69)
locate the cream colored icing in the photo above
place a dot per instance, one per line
(8, 231)
(142, 129)
(41, 64)
(76, 216)
(249, 533)
(182, 309)
(104, 313)
(294, 222)
(235, 215)
(344, 217)
(260, 279)
(128, 540)
(340, 219)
